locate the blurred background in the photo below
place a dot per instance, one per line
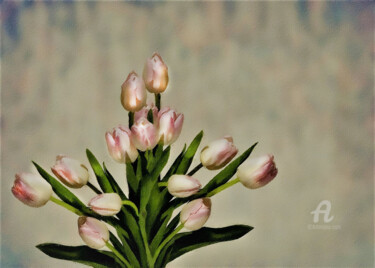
(295, 76)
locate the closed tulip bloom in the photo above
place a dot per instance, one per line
(70, 172)
(155, 74)
(195, 213)
(108, 204)
(218, 153)
(120, 145)
(257, 172)
(183, 186)
(170, 125)
(144, 112)
(144, 135)
(93, 232)
(31, 189)
(133, 93)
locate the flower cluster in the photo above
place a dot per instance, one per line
(142, 218)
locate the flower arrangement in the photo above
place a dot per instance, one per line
(146, 222)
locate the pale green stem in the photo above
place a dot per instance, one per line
(65, 205)
(131, 204)
(118, 254)
(162, 184)
(157, 252)
(223, 187)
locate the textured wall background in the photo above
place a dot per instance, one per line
(295, 76)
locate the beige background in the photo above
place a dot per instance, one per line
(297, 77)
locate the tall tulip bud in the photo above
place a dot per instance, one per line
(133, 93)
(143, 113)
(170, 125)
(144, 135)
(120, 145)
(70, 172)
(93, 232)
(195, 213)
(257, 172)
(32, 190)
(155, 74)
(183, 186)
(108, 204)
(218, 153)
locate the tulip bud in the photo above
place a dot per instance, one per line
(93, 232)
(144, 135)
(183, 186)
(120, 145)
(108, 204)
(195, 213)
(257, 172)
(32, 190)
(155, 74)
(70, 172)
(170, 125)
(143, 113)
(218, 153)
(133, 93)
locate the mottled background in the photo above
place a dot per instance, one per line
(295, 76)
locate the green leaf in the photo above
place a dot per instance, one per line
(132, 181)
(189, 155)
(80, 254)
(175, 165)
(99, 173)
(225, 175)
(113, 183)
(61, 191)
(124, 249)
(205, 236)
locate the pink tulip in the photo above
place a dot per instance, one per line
(133, 93)
(170, 125)
(218, 153)
(144, 135)
(32, 190)
(195, 213)
(70, 172)
(183, 186)
(155, 74)
(257, 172)
(144, 112)
(93, 232)
(120, 145)
(107, 204)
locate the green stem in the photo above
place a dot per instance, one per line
(142, 224)
(223, 187)
(118, 254)
(131, 119)
(157, 100)
(131, 204)
(162, 184)
(198, 167)
(92, 187)
(157, 252)
(65, 205)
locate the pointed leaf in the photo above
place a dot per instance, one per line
(175, 165)
(80, 254)
(189, 154)
(189, 241)
(99, 173)
(113, 183)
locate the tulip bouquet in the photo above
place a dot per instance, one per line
(143, 227)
